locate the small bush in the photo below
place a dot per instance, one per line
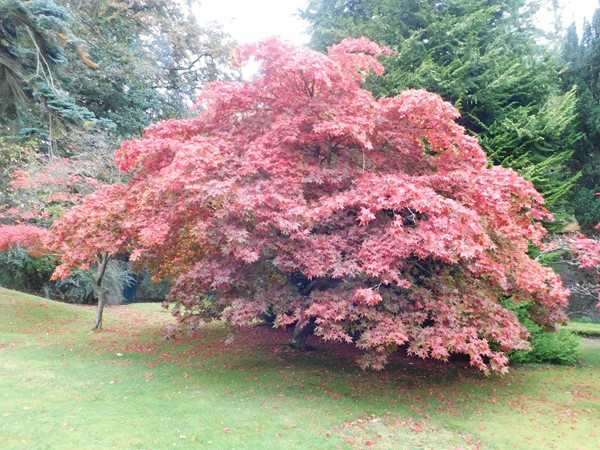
(149, 290)
(547, 346)
(583, 319)
(555, 347)
(80, 288)
(23, 272)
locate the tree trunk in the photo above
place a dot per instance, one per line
(301, 333)
(99, 311)
(99, 289)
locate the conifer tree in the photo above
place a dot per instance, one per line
(481, 56)
(31, 35)
(581, 59)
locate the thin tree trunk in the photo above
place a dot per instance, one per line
(100, 290)
(301, 333)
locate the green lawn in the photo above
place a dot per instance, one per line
(63, 386)
(584, 328)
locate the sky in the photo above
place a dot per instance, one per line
(253, 20)
(575, 10)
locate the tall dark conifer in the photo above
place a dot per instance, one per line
(581, 59)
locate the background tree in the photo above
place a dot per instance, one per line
(90, 235)
(483, 57)
(106, 69)
(581, 58)
(41, 195)
(36, 41)
(370, 220)
(77, 240)
(123, 64)
(30, 38)
(150, 58)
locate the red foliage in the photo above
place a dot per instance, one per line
(86, 227)
(587, 251)
(300, 191)
(28, 236)
(87, 230)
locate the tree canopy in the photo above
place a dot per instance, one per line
(330, 194)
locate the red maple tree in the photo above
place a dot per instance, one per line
(374, 221)
(58, 214)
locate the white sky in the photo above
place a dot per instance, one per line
(576, 10)
(253, 20)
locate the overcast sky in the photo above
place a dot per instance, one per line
(575, 10)
(253, 20)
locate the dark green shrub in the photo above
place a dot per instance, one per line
(268, 316)
(555, 347)
(547, 346)
(80, 287)
(149, 290)
(586, 206)
(23, 272)
(76, 288)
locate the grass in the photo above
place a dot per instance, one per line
(588, 329)
(63, 386)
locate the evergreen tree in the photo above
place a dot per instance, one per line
(144, 60)
(480, 55)
(582, 68)
(31, 34)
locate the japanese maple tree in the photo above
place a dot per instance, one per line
(87, 234)
(56, 212)
(373, 221)
(91, 234)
